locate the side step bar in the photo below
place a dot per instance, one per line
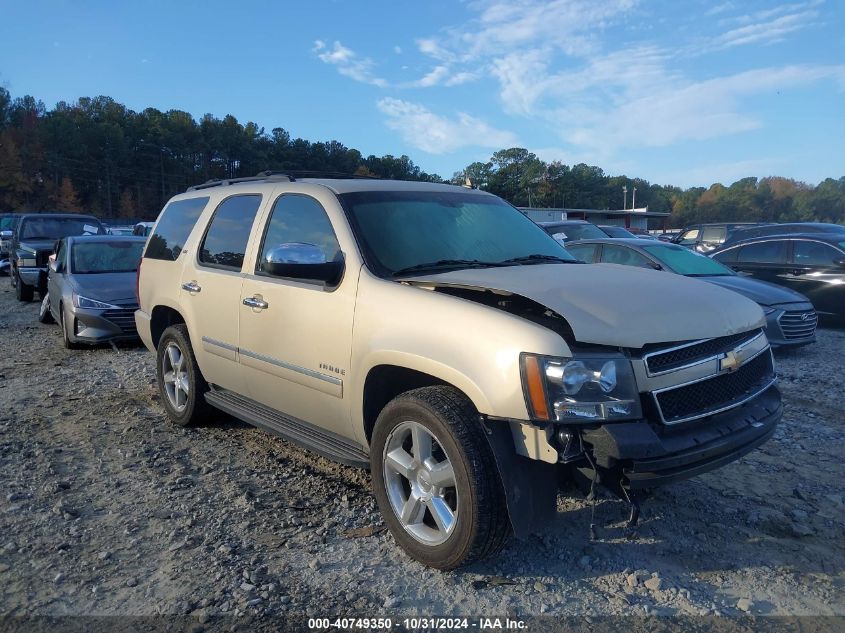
(302, 433)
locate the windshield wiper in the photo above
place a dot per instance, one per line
(536, 258)
(446, 263)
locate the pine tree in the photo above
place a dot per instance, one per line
(65, 197)
(126, 206)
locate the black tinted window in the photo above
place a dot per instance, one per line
(225, 241)
(728, 256)
(299, 219)
(623, 255)
(814, 253)
(713, 234)
(35, 228)
(174, 226)
(773, 252)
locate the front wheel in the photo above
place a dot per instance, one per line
(435, 479)
(44, 315)
(180, 382)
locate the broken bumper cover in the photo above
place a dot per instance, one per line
(649, 455)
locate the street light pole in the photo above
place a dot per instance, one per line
(634, 199)
(624, 197)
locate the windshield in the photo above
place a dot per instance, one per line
(55, 228)
(573, 232)
(437, 230)
(105, 257)
(686, 262)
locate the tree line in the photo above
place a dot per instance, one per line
(99, 156)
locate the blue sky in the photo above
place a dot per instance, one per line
(685, 93)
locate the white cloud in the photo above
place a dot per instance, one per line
(436, 134)
(397, 50)
(764, 32)
(436, 76)
(348, 63)
(669, 111)
(461, 78)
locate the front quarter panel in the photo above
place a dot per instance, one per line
(470, 346)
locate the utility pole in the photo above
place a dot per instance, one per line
(624, 197)
(634, 199)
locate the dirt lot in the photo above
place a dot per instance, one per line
(106, 508)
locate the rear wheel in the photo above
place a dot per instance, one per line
(23, 292)
(180, 381)
(435, 479)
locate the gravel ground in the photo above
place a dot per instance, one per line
(107, 508)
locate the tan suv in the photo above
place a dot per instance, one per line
(436, 336)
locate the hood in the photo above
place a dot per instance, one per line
(761, 292)
(37, 246)
(109, 287)
(609, 304)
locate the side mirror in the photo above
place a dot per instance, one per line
(302, 261)
(656, 266)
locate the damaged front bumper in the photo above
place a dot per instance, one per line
(644, 455)
(627, 456)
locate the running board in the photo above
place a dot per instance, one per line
(302, 433)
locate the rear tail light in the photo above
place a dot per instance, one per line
(138, 283)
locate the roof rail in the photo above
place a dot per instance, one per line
(278, 176)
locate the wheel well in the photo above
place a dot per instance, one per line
(384, 383)
(162, 318)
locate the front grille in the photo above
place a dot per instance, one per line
(675, 358)
(795, 326)
(124, 319)
(717, 393)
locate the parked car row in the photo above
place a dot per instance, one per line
(84, 274)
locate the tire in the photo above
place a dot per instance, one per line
(23, 292)
(65, 335)
(44, 315)
(469, 497)
(180, 381)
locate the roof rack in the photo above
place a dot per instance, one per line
(278, 176)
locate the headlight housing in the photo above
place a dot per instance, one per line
(25, 262)
(582, 389)
(767, 310)
(85, 302)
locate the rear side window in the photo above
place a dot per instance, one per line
(584, 252)
(224, 244)
(814, 253)
(613, 254)
(727, 256)
(764, 253)
(174, 226)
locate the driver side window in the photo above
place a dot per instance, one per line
(298, 219)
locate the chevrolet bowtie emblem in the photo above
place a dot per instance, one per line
(730, 362)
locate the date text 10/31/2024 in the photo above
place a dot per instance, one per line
(418, 623)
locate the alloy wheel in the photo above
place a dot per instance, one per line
(420, 483)
(177, 384)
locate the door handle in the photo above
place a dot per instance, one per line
(255, 302)
(192, 287)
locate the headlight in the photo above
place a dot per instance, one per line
(767, 311)
(581, 389)
(85, 302)
(24, 262)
